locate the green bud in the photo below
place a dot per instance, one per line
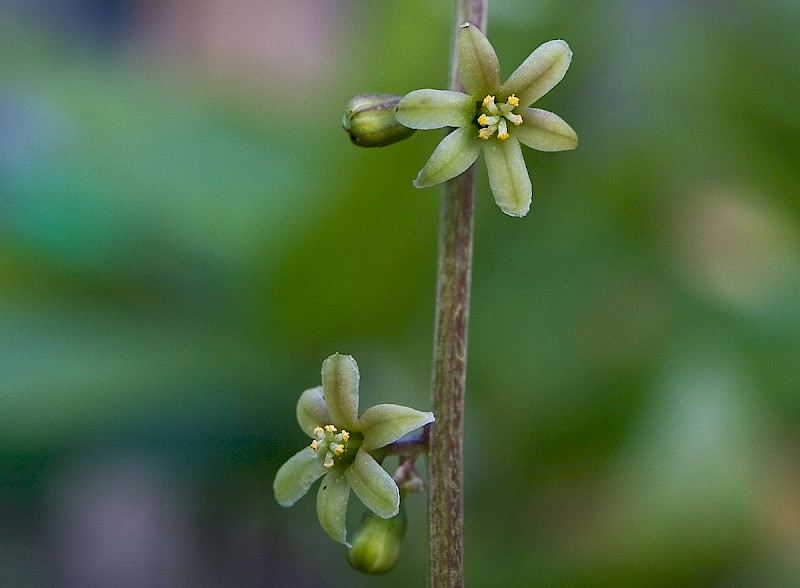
(376, 545)
(371, 122)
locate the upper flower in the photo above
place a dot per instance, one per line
(342, 447)
(493, 116)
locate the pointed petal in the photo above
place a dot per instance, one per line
(508, 176)
(434, 109)
(452, 157)
(477, 63)
(312, 411)
(545, 131)
(340, 388)
(385, 423)
(332, 498)
(376, 489)
(295, 477)
(537, 75)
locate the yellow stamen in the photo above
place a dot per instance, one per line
(482, 120)
(488, 100)
(330, 428)
(485, 133)
(502, 130)
(339, 449)
(314, 444)
(513, 100)
(318, 431)
(345, 435)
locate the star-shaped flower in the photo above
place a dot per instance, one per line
(342, 448)
(493, 116)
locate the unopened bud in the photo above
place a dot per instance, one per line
(376, 546)
(371, 122)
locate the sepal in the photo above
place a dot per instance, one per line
(386, 423)
(434, 109)
(508, 176)
(452, 157)
(340, 387)
(332, 498)
(545, 131)
(312, 410)
(295, 477)
(477, 62)
(373, 486)
(537, 75)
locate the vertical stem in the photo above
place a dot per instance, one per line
(445, 455)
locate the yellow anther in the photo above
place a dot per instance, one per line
(318, 431)
(485, 133)
(339, 449)
(502, 130)
(515, 118)
(488, 100)
(314, 444)
(482, 120)
(345, 435)
(513, 100)
(330, 428)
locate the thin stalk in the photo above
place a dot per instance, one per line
(445, 455)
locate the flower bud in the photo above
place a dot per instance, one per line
(376, 545)
(370, 120)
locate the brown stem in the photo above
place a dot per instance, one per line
(445, 456)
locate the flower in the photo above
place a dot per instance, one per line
(343, 447)
(494, 116)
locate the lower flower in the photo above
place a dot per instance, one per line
(343, 448)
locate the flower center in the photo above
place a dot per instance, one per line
(493, 117)
(335, 445)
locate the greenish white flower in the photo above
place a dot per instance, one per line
(492, 117)
(343, 448)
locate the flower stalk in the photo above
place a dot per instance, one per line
(454, 277)
(487, 116)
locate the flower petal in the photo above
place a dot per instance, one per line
(385, 423)
(312, 411)
(376, 489)
(537, 75)
(295, 477)
(434, 109)
(508, 176)
(545, 131)
(477, 62)
(332, 498)
(452, 157)
(340, 388)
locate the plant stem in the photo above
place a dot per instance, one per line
(445, 455)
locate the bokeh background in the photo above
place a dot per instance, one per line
(186, 233)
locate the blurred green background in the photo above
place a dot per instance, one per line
(186, 233)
